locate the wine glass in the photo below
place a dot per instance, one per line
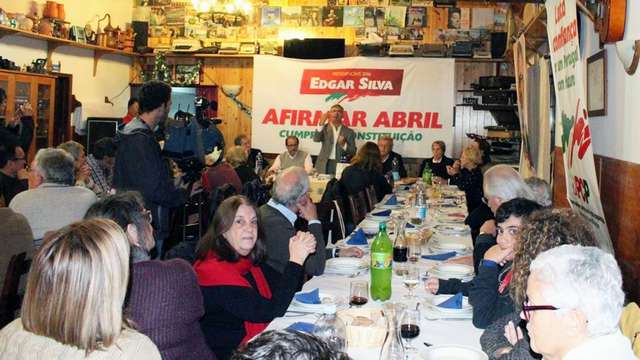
(411, 279)
(359, 294)
(409, 327)
(415, 250)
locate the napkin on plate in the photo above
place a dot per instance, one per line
(454, 302)
(358, 238)
(381, 213)
(311, 297)
(302, 326)
(440, 257)
(393, 200)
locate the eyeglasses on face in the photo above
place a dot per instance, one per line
(527, 309)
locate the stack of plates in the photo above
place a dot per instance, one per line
(452, 271)
(438, 246)
(433, 311)
(452, 229)
(454, 218)
(452, 352)
(325, 299)
(345, 266)
(370, 227)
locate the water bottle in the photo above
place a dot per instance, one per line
(381, 258)
(395, 169)
(426, 175)
(331, 329)
(421, 203)
(259, 160)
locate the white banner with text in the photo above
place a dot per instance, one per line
(571, 115)
(410, 99)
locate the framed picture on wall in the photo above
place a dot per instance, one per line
(78, 34)
(597, 84)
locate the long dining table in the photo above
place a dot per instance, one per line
(433, 331)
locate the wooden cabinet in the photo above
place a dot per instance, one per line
(39, 91)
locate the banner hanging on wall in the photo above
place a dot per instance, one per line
(411, 100)
(571, 114)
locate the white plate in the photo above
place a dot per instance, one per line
(454, 269)
(447, 218)
(378, 218)
(437, 299)
(452, 352)
(343, 244)
(448, 246)
(347, 263)
(430, 313)
(452, 229)
(369, 226)
(325, 299)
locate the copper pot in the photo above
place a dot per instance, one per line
(45, 27)
(50, 10)
(61, 13)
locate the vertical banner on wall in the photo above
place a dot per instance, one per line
(410, 99)
(571, 115)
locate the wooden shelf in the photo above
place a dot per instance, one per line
(200, 56)
(54, 42)
(472, 60)
(495, 107)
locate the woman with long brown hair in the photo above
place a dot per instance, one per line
(366, 170)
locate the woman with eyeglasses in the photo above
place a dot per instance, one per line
(164, 300)
(489, 291)
(573, 306)
(506, 338)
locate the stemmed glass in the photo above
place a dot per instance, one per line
(410, 327)
(415, 250)
(411, 279)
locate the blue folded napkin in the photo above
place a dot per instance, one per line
(440, 257)
(311, 297)
(382, 213)
(454, 302)
(393, 200)
(358, 238)
(409, 226)
(302, 326)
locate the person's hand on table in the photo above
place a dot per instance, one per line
(307, 208)
(498, 254)
(351, 252)
(432, 285)
(489, 227)
(464, 260)
(300, 246)
(513, 333)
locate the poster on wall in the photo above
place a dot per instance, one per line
(409, 99)
(571, 114)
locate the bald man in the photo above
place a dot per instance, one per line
(290, 200)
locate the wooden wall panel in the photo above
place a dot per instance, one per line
(619, 182)
(231, 71)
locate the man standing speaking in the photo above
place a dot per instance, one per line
(337, 140)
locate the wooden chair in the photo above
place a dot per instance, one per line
(10, 300)
(371, 197)
(358, 207)
(333, 222)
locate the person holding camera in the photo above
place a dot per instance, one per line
(139, 163)
(20, 126)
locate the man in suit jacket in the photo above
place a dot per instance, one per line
(336, 138)
(387, 155)
(290, 199)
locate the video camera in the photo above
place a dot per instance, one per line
(191, 139)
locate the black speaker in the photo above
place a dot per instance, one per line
(141, 29)
(498, 44)
(98, 128)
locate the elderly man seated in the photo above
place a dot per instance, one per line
(52, 201)
(290, 200)
(388, 156)
(292, 157)
(573, 307)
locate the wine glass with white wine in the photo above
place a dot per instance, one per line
(411, 279)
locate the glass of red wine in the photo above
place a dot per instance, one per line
(409, 327)
(359, 294)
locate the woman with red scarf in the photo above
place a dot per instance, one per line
(241, 293)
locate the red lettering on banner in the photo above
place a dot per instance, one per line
(304, 118)
(434, 121)
(383, 119)
(399, 120)
(414, 119)
(285, 114)
(352, 82)
(317, 117)
(271, 117)
(359, 119)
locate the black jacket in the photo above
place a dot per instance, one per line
(22, 134)
(387, 165)
(437, 169)
(471, 183)
(477, 218)
(140, 166)
(355, 179)
(227, 307)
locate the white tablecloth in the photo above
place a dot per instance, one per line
(436, 332)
